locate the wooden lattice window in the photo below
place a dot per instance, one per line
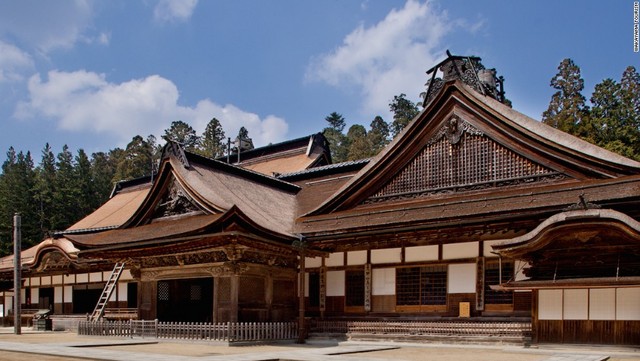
(492, 277)
(354, 290)
(421, 285)
(163, 291)
(474, 162)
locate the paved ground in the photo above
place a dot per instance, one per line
(58, 346)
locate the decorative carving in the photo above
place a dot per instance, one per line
(174, 148)
(176, 201)
(453, 130)
(53, 261)
(582, 204)
(367, 287)
(229, 269)
(234, 252)
(323, 289)
(470, 71)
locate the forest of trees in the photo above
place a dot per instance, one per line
(62, 188)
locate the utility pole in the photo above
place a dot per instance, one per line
(17, 269)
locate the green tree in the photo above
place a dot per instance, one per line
(630, 107)
(243, 133)
(336, 121)
(212, 142)
(338, 142)
(182, 133)
(45, 188)
(378, 136)
(567, 110)
(136, 161)
(359, 147)
(17, 184)
(404, 110)
(85, 203)
(67, 192)
(103, 168)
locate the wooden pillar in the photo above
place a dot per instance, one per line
(147, 299)
(269, 297)
(301, 308)
(215, 300)
(235, 287)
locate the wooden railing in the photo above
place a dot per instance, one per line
(230, 332)
(498, 330)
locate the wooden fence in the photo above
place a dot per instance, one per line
(501, 330)
(230, 332)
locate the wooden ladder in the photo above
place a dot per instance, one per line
(98, 312)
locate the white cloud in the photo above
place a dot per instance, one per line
(46, 25)
(174, 10)
(13, 62)
(388, 58)
(84, 101)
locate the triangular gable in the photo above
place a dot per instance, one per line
(169, 196)
(462, 158)
(465, 142)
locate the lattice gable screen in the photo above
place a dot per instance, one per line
(461, 158)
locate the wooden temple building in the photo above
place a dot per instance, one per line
(474, 210)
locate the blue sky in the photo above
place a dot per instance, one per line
(93, 74)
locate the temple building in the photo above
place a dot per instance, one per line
(473, 210)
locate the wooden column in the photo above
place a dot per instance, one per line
(301, 308)
(147, 299)
(235, 286)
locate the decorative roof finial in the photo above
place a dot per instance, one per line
(469, 70)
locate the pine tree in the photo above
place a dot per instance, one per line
(17, 184)
(567, 109)
(378, 136)
(67, 192)
(212, 142)
(103, 169)
(182, 133)
(45, 188)
(338, 142)
(404, 110)
(359, 147)
(85, 186)
(336, 121)
(136, 161)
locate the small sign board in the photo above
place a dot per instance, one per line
(465, 309)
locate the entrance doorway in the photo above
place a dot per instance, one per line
(185, 300)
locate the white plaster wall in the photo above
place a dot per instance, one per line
(8, 304)
(421, 253)
(120, 294)
(45, 281)
(335, 283)
(383, 281)
(23, 294)
(628, 304)
(95, 277)
(312, 262)
(356, 258)
(602, 304)
(35, 281)
(461, 278)
(57, 294)
(56, 280)
(335, 259)
(550, 305)
(69, 279)
(82, 278)
(576, 304)
(391, 255)
(460, 250)
(35, 294)
(68, 294)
